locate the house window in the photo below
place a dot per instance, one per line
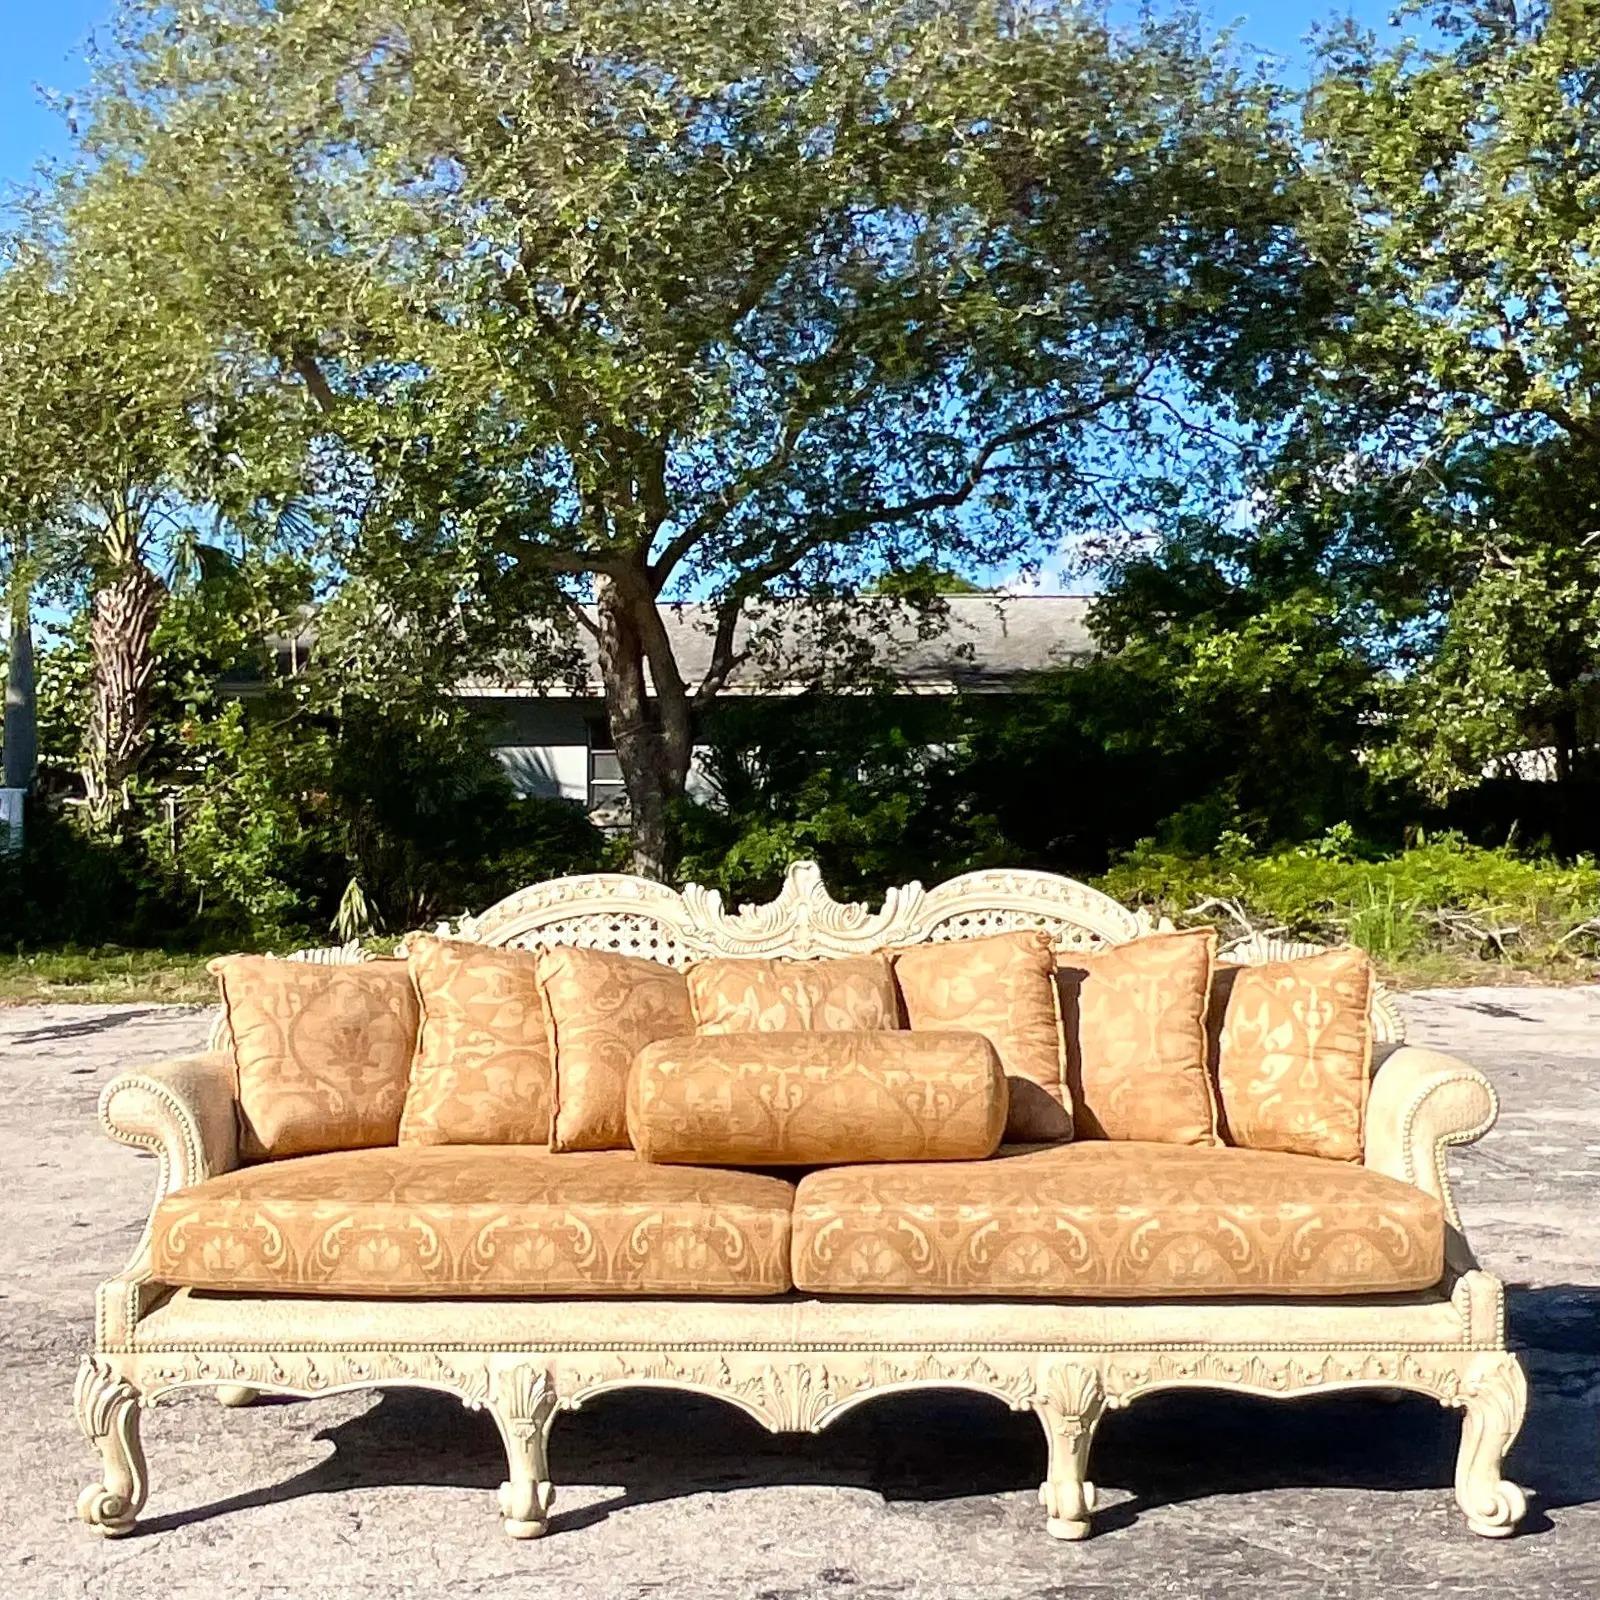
(605, 771)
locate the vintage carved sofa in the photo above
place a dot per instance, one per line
(795, 1360)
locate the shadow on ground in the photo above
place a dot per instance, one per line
(85, 1027)
(945, 1445)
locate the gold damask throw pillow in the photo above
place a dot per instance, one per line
(323, 1053)
(846, 994)
(602, 1010)
(1294, 1053)
(1135, 1022)
(1004, 987)
(481, 1073)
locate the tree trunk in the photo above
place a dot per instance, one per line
(1564, 735)
(121, 633)
(21, 736)
(1570, 811)
(654, 767)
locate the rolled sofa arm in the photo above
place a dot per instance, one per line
(183, 1110)
(1422, 1102)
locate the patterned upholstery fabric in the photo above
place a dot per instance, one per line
(1135, 1023)
(1294, 1053)
(323, 1052)
(481, 1073)
(743, 995)
(1115, 1220)
(477, 1220)
(1002, 986)
(603, 1009)
(808, 1099)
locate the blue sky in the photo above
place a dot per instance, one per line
(44, 44)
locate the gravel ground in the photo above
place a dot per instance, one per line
(915, 1496)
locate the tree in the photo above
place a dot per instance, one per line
(117, 422)
(1511, 666)
(1239, 669)
(1405, 601)
(24, 503)
(1450, 449)
(610, 305)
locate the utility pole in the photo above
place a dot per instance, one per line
(19, 752)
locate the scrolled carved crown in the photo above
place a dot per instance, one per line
(638, 917)
(804, 919)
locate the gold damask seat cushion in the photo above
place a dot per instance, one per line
(459, 1220)
(1115, 1220)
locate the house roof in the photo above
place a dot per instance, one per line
(989, 644)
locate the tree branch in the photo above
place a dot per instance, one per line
(580, 614)
(575, 562)
(310, 373)
(741, 488)
(977, 467)
(821, 383)
(725, 659)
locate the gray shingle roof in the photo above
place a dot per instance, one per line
(989, 644)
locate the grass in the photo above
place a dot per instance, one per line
(107, 974)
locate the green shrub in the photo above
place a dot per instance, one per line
(279, 837)
(1440, 896)
(1385, 926)
(107, 974)
(379, 824)
(67, 888)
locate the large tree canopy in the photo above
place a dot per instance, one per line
(1416, 577)
(601, 305)
(1452, 447)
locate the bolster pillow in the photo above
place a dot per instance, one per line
(816, 1099)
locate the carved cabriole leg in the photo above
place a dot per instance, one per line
(1493, 1396)
(107, 1407)
(1070, 1401)
(237, 1394)
(523, 1401)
